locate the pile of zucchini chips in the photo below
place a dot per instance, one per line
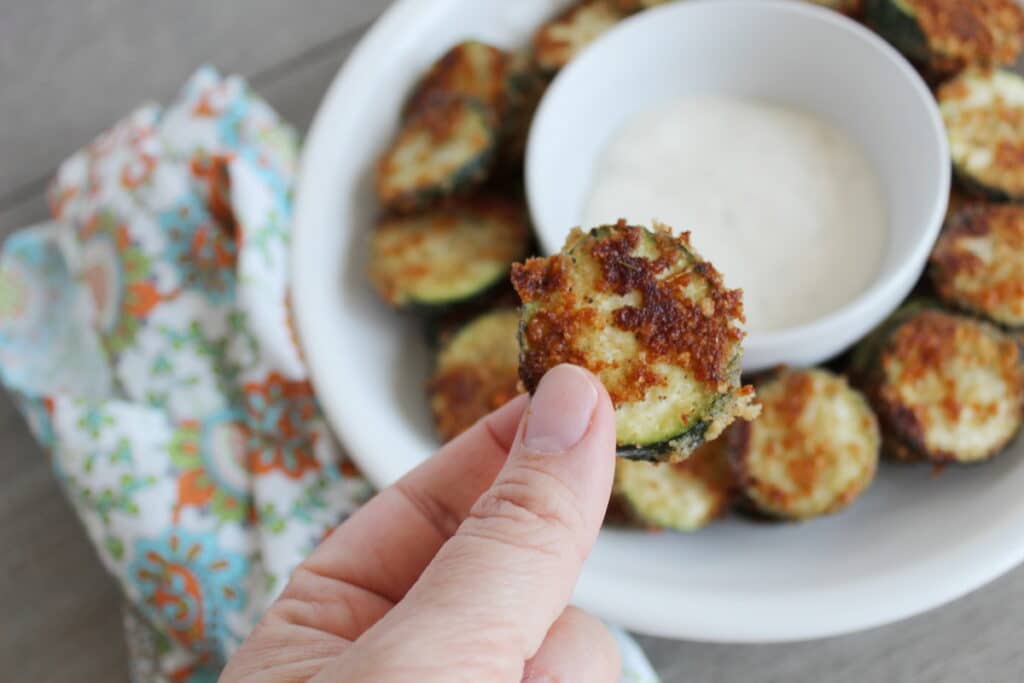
(941, 381)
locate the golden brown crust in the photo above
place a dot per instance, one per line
(699, 336)
(470, 69)
(935, 379)
(408, 254)
(442, 124)
(813, 450)
(995, 127)
(475, 376)
(973, 32)
(978, 262)
(562, 38)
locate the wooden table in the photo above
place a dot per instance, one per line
(67, 71)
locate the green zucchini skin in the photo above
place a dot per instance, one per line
(448, 257)
(943, 37)
(446, 148)
(684, 496)
(577, 309)
(899, 27)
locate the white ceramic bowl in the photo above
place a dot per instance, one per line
(802, 56)
(912, 543)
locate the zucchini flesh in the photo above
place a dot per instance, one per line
(476, 373)
(683, 496)
(469, 69)
(447, 256)
(562, 38)
(653, 320)
(445, 148)
(946, 388)
(978, 262)
(984, 116)
(814, 449)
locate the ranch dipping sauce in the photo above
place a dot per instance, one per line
(784, 204)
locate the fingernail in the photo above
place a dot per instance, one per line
(560, 411)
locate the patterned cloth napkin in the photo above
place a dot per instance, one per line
(147, 338)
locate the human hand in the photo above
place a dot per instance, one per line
(462, 570)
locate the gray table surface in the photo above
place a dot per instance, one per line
(67, 71)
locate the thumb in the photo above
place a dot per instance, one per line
(496, 587)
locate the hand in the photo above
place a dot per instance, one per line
(463, 569)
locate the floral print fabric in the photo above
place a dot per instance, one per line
(146, 336)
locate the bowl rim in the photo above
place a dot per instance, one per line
(885, 285)
(925, 584)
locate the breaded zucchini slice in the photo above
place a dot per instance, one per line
(565, 36)
(477, 371)
(946, 36)
(946, 388)
(450, 255)
(984, 116)
(444, 148)
(469, 69)
(524, 87)
(653, 320)
(813, 450)
(683, 496)
(978, 262)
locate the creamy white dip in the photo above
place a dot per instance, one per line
(784, 204)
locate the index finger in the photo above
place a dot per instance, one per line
(388, 542)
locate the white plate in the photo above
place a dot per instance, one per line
(914, 542)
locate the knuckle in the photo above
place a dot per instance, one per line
(529, 508)
(440, 517)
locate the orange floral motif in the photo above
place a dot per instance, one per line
(211, 457)
(279, 412)
(185, 582)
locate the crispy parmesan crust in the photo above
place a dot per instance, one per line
(562, 38)
(978, 262)
(700, 336)
(947, 389)
(986, 131)
(674, 309)
(477, 372)
(473, 240)
(471, 69)
(812, 452)
(442, 149)
(961, 33)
